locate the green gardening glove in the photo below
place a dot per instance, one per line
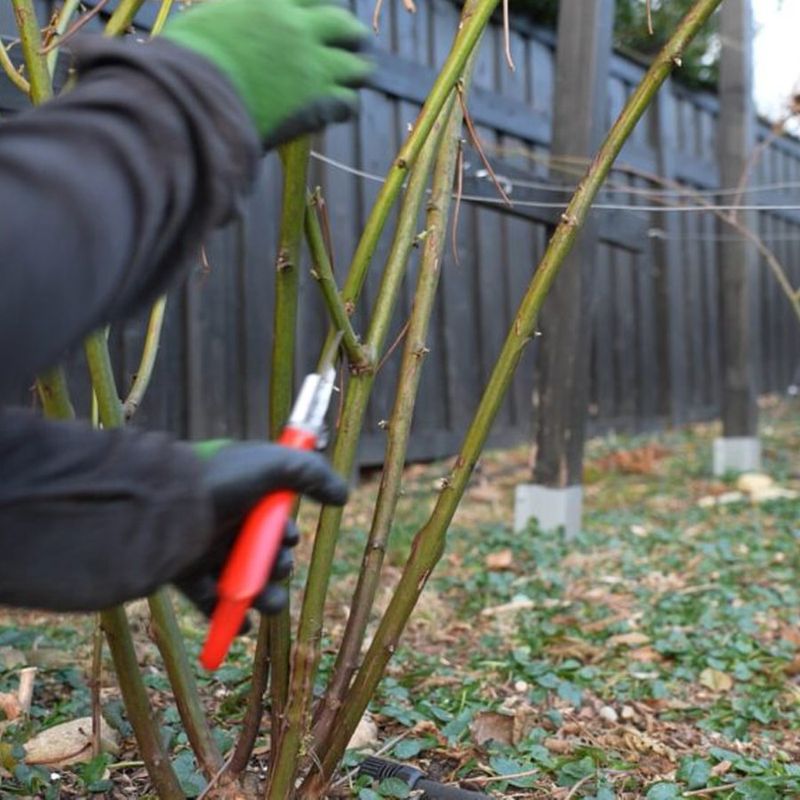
(294, 63)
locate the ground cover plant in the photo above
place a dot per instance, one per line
(656, 656)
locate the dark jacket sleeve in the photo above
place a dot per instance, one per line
(103, 194)
(92, 518)
(107, 189)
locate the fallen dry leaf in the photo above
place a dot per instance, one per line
(639, 461)
(365, 734)
(716, 680)
(793, 667)
(579, 649)
(501, 560)
(644, 654)
(489, 726)
(721, 768)
(9, 705)
(68, 743)
(772, 493)
(561, 746)
(520, 604)
(628, 639)
(721, 499)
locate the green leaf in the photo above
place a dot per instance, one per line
(191, 780)
(114, 713)
(408, 748)
(508, 766)
(663, 791)
(548, 681)
(91, 773)
(695, 772)
(755, 789)
(573, 771)
(456, 728)
(571, 693)
(368, 794)
(394, 787)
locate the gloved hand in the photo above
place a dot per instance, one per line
(236, 476)
(293, 62)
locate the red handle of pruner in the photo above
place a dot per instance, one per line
(251, 560)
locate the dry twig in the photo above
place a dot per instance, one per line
(473, 135)
(457, 205)
(507, 37)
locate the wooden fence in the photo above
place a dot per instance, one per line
(655, 342)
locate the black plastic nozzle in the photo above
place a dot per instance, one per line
(380, 769)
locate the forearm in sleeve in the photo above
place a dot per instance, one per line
(92, 518)
(107, 189)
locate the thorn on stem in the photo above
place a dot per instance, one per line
(569, 219)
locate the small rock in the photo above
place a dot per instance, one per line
(608, 714)
(628, 712)
(521, 686)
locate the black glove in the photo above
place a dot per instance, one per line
(236, 477)
(90, 518)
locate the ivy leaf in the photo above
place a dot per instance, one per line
(663, 791)
(394, 787)
(91, 773)
(508, 766)
(695, 772)
(571, 693)
(408, 748)
(574, 771)
(455, 729)
(368, 794)
(191, 780)
(755, 789)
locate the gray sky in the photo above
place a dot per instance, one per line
(777, 54)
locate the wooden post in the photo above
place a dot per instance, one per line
(738, 448)
(585, 29)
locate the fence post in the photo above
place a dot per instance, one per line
(738, 449)
(554, 499)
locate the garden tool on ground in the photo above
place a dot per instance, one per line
(380, 769)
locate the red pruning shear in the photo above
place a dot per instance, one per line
(256, 549)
